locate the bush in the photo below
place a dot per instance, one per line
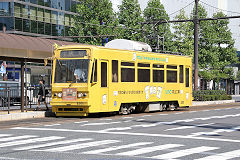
(210, 95)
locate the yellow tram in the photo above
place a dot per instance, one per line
(92, 79)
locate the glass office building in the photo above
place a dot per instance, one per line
(38, 17)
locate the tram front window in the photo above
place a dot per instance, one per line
(71, 71)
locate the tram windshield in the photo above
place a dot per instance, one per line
(71, 71)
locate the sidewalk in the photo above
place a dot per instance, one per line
(18, 115)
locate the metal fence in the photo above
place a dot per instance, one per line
(10, 97)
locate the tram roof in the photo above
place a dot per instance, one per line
(102, 47)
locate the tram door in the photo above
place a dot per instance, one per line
(104, 90)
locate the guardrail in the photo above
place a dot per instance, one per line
(10, 98)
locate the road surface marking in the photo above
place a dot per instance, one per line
(130, 134)
(53, 143)
(50, 125)
(105, 119)
(223, 156)
(189, 127)
(140, 120)
(148, 149)
(81, 122)
(15, 143)
(99, 124)
(80, 146)
(117, 148)
(127, 117)
(185, 152)
(5, 135)
(16, 138)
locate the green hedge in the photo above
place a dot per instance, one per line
(210, 95)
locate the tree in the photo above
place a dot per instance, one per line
(214, 58)
(130, 19)
(94, 18)
(155, 11)
(183, 35)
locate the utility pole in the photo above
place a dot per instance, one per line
(196, 22)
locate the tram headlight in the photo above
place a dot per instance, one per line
(59, 95)
(84, 94)
(80, 95)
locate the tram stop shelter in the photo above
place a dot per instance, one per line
(25, 49)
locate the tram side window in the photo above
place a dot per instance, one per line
(181, 73)
(158, 73)
(95, 72)
(127, 72)
(171, 74)
(94, 75)
(103, 74)
(187, 77)
(143, 72)
(114, 71)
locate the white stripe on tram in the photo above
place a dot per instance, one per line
(80, 146)
(53, 143)
(149, 149)
(223, 156)
(15, 143)
(185, 152)
(16, 138)
(117, 148)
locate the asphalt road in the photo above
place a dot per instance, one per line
(202, 133)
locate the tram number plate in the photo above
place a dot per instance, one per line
(69, 94)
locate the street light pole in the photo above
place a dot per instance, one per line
(196, 22)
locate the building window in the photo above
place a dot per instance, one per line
(34, 1)
(187, 77)
(181, 73)
(47, 16)
(34, 26)
(25, 12)
(17, 10)
(5, 9)
(67, 19)
(40, 14)
(143, 72)
(127, 72)
(54, 17)
(54, 30)
(60, 18)
(18, 24)
(40, 28)
(26, 25)
(114, 71)
(33, 13)
(67, 5)
(48, 29)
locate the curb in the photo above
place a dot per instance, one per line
(24, 115)
(203, 103)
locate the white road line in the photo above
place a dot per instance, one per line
(99, 124)
(147, 116)
(50, 125)
(117, 148)
(116, 129)
(188, 127)
(130, 134)
(191, 111)
(15, 143)
(81, 122)
(15, 138)
(80, 146)
(127, 121)
(140, 120)
(181, 153)
(5, 135)
(149, 149)
(179, 113)
(127, 117)
(163, 114)
(205, 110)
(53, 143)
(105, 119)
(223, 156)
